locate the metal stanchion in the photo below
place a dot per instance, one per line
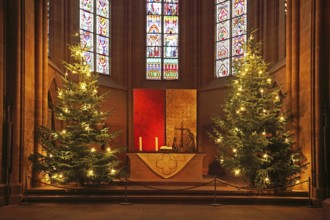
(215, 193)
(125, 202)
(310, 202)
(25, 200)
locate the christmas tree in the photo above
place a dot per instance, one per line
(80, 152)
(252, 138)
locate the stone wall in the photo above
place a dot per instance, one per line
(296, 46)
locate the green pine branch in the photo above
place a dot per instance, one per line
(252, 136)
(80, 152)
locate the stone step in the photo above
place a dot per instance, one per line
(166, 191)
(166, 194)
(147, 198)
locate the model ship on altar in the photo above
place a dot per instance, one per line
(186, 143)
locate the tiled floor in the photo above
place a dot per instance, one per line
(36, 211)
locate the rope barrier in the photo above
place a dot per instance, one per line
(228, 184)
(136, 183)
(215, 180)
(268, 189)
(48, 184)
(183, 189)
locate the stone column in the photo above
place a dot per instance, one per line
(13, 75)
(288, 53)
(45, 74)
(320, 98)
(41, 72)
(326, 92)
(307, 84)
(2, 106)
(28, 87)
(129, 35)
(294, 72)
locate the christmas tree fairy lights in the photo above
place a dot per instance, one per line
(255, 142)
(80, 151)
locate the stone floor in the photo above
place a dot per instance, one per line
(36, 211)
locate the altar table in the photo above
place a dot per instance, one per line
(159, 166)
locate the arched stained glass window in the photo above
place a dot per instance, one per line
(162, 39)
(231, 23)
(95, 33)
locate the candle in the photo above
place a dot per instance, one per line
(140, 143)
(156, 143)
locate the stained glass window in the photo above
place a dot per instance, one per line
(162, 39)
(231, 23)
(95, 33)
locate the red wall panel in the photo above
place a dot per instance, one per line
(149, 118)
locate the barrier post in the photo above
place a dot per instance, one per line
(125, 202)
(310, 202)
(25, 200)
(215, 192)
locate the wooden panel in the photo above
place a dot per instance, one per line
(149, 122)
(180, 111)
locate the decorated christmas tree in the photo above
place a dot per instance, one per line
(252, 137)
(81, 151)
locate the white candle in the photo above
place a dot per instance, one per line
(156, 143)
(140, 143)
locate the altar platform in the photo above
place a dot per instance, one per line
(170, 211)
(144, 185)
(168, 191)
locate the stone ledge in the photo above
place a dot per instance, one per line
(326, 209)
(15, 194)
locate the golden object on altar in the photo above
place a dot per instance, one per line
(165, 149)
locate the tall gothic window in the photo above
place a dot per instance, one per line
(230, 32)
(162, 36)
(95, 34)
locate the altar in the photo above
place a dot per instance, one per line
(164, 143)
(153, 166)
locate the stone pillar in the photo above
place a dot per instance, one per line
(45, 74)
(19, 81)
(294, 72)
(307, 83)
(326, 209)
(28, 87)
(288, 53)
(326, 92)
(320, 101)
(319, 98)
(41, 71)
(128, 35)
(2, 106)
(39, 64)
(318, 185)
(13, 75)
